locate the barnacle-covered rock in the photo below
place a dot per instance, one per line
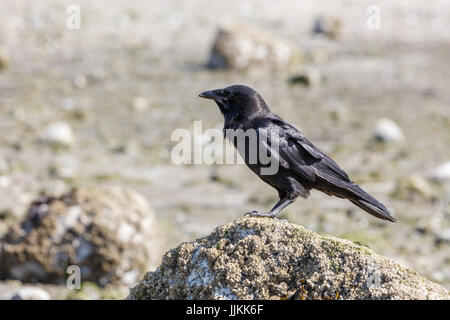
(262, 258)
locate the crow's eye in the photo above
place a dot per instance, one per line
(226, 94)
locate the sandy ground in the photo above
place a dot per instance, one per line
(157, 50)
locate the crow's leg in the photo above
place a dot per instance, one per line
(283, 203)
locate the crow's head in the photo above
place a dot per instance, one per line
(238, 103)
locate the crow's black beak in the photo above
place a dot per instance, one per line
(211, 94)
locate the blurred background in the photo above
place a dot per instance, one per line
(94, 106)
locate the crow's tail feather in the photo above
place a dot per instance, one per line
(372, 206)
(374, 210)
(354, 193)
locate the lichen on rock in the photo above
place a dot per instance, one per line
(261, 258)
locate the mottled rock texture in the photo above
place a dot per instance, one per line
(240, 47)
(110, 233)
(261, 258)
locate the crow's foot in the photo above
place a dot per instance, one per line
(259, 214)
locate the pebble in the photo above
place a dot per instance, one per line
(4, 59)
(30, 293)
(442, 172)
(310, 77)
(140, 104)
(4, 166)
(64, 167)
(387, 131)
(80, 81)
(58, 133)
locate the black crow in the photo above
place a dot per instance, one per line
(301, 165)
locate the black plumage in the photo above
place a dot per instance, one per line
(301, 165)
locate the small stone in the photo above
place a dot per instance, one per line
(64, 167)
(329, 26)
(98, 73)
(253, 250)
(340, 113)
(80, 81)
(31, 293)
(442, 172)
(58, 133)
(68, 104)
(241, 46)
(4, 59)
(387, 131)
(5, 181)
(6, 214)
(4, 166)
(319, 56)
(442, 236)
(310, 77)
(140, 104)
(414, 184)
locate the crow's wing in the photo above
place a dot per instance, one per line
(290, 156)
(298, 154)
(305, 158)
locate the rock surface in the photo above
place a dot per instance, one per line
(260, 258)
(241, 47)
(110, 233)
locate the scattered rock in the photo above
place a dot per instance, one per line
(64, 167)
(309, 77)
(431, 224)
(331, 27)
(319, 56)
(79, 81)
(31, 293)
(4, 59)
(91, 291)
(387, 131)
(58, 134)
(442, 236)
(129, 146)
(98, 74)
(412, 185)
(340, 113)
(241, 46)
(110, 233)
(259, 258)
(4, 166)
(5, 181)
(6, 214)
(442, 173)
(140, 103)
(68, 104)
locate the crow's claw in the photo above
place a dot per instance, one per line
(258, 214)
